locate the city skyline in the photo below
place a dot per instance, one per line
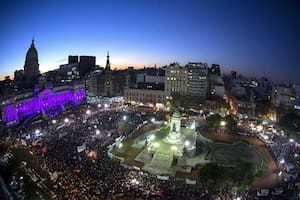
(247, 37)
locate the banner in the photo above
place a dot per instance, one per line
(81, 148)
(164, 178)
(190, 182)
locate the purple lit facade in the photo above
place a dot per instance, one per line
(47, 102)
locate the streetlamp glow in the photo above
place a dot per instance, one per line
(193, 126)
(156, 145)
(174, 148)
(186, 143)
(120, 145)
(152, 137)
(223, 123)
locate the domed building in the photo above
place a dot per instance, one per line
(31, 67)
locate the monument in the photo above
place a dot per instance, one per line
(168, 153)
(180, 148)
(175, 136)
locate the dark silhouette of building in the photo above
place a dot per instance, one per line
(72, 59)
(104, 82)
(108, 88)
(215, 69)
(86, 63)
(18, 75)
(31, 67)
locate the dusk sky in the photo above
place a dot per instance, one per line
(259, 38)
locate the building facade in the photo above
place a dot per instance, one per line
(197, 80)
(50, 101)
(133, 95)
(176, 80)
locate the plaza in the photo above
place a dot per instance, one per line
(173, 148)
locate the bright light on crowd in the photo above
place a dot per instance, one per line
(259, 128)
(120, 145)
(124, 117)
(152, 119)
(66, 120)
(88, 112)
(266, 137)
(97, 132)
(53, 121)
(281, 161)
(37, 131)
(222, 123)
(292, 140)
(99, 105)
(106, 105)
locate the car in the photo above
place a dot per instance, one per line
(262, 192)
(277, 191)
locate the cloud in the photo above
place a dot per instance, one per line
(61, 60)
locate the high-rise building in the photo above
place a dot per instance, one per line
(86, 63)
(297, 99)
(284, 96)
(72, 59)
(94, 86)
(176, 80)
(215, 69)
(31, 67)
(197, 80)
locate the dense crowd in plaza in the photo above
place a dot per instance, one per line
(90, 173)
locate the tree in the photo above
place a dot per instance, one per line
(289, 122)
(213, 121)
(178, 100)
(231, 124)
(216, 177)
(245, 173)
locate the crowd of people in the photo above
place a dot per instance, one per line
(91, 173)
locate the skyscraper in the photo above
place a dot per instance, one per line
(86, 63)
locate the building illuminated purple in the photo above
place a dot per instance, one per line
(47, 102)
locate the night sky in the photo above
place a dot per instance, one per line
(259, 38)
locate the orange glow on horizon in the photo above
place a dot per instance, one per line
(113, 67)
